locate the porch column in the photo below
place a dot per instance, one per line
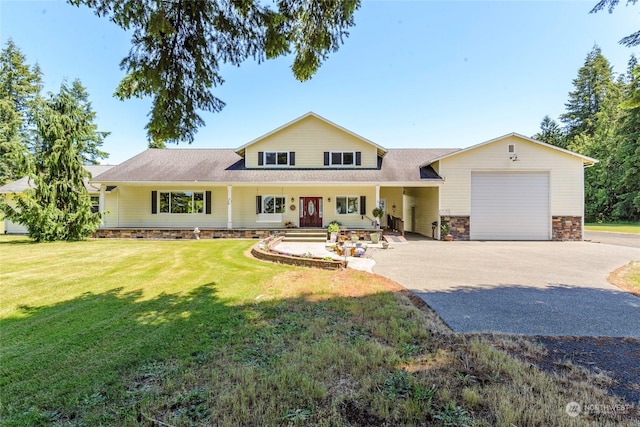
(101, 205)
(377, 196)
(229, 208)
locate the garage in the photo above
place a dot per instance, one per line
(510, 206)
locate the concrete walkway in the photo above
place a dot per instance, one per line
(319, 249)
(546, 288)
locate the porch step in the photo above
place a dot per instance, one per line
(305, 236)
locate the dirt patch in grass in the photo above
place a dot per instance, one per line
(611, 364)
(627, 278)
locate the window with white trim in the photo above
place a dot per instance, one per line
(342, 158)
(347, 205)
(181, 202)
(95, 204)
(276, 158)
(273, 204)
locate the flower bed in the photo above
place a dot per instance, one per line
(265, 250)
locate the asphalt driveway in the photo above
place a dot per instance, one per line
(532, 288)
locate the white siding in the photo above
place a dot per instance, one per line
(565, 174)
(309, 139)
(425, 202)
(11, 227)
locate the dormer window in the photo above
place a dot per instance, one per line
(276, 158)
(342, 158)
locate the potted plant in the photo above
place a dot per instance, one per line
(333, 229)
(378, 213)
(446, 232)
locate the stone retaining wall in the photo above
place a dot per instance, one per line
(264, 251)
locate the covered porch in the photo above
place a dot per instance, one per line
(254, 211)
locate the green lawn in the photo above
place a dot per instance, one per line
(614, 227)
(194, 333)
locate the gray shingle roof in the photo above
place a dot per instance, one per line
(23, 183)
(226, 166)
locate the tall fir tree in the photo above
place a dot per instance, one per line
(594, 80)
(58, 206)
(20, 86)
(603, 121)
(551, 133)
(601, 179)
(627, 154)
(179, 47)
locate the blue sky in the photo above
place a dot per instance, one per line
(411, 74)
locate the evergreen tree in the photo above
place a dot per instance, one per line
(58, 207)
(603, 121)
(551, 133)
(630, 40)
(627, 154)
(179, 46)
(594, 80)
(633, 96)
(20, 86)
(601, 180)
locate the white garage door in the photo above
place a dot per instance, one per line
(510, 206)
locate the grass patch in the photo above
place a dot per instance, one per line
(614, 227)
(627, 277)
(182, 333)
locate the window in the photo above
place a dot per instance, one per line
(276, 158)
(342, 158)
(182, 202)
(271, 204)
(95, 204)
(347, 205)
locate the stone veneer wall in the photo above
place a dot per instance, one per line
(566, 228)
(459, 225)
(154, 233)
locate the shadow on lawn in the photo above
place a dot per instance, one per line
(56, 357)
(98, 357)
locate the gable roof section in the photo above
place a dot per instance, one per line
(381, 150)
(226, 166)
(586, 161)
(24, 183)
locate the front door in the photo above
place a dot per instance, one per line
(310, 211)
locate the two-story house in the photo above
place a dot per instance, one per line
(311, 171)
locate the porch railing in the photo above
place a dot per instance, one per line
(396, 224)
